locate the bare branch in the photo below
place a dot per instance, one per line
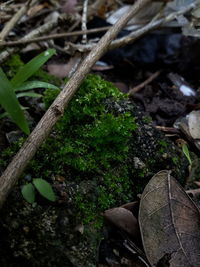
(84, 21)
(53, 36)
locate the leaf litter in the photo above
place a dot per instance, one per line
(170, 220)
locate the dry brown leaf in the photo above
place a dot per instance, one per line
(58, 70)
(169, 223)
(35, 9)
(62, 70)
(197, 183)
(124, 219)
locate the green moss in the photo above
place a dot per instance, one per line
(90, 142)
(12, 65)
(163, 146)
(175, 160)
(94, 138)
(146, 119)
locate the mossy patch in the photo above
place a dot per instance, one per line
(99, 155)
(90, 142)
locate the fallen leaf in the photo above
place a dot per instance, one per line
(197, 183)
(35, 9)
(124, 219)
(62, 70)
(169, 223)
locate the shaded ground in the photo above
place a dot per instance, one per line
(68, 232)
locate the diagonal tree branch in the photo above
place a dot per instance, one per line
(42, 130)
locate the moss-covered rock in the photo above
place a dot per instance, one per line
(100, 154)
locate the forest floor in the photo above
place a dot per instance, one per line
(108, 144)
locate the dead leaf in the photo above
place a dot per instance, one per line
(35, 9)
(197, 183)
(169, 223)
(124, 219)
(58, 70)
(62, 70)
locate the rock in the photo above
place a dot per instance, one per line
(45, 234)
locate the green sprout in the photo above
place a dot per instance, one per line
(11, 90)
(186, 153)
(42, 186)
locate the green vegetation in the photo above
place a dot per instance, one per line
(88, 145)
(90, 141)
(186, 153)
(42, 186)
(11, 90)
(95, 147)
(163, 146)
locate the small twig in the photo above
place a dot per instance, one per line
(10, 24)
(75, 25)
(143, 84)
(53, 36)
(136, 34)
(76, 60)
(2, 6)
(40, 30)
(84, 21)
(169, 130)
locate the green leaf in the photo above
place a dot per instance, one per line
(30, 94)
(28, 193)
(9, 102)
(44, 188)
(31, 67)
(186, 153)
(35, 84)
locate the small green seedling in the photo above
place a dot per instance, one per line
(186, 153)
(42, 186)
(11, 90)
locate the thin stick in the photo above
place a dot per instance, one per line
(143, 84)
(136, 34)
(169, 130)
(84, 21)
(5, 4)
(38, 31)
(43, 128)
(54, 36)
(10, 24)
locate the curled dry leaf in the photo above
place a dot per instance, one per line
(169, 223)
(189, 125)
(123, 219)
(194, 124)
